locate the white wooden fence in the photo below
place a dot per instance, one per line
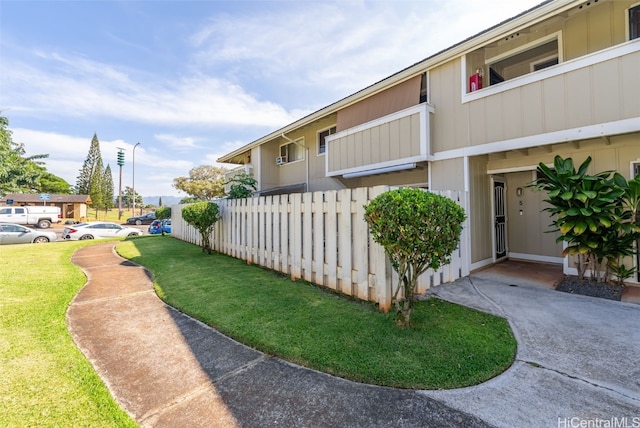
(321, 237)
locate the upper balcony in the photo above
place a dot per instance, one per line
(586, 97)
(393, 142)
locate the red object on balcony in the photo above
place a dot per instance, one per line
(475, 82)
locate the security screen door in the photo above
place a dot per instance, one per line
(500, 219)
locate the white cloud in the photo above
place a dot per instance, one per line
(343, 46)
(175, 142)
(89, 91)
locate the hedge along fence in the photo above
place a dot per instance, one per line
(321, 237)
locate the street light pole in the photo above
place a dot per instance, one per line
(121, 164)
(133, 162)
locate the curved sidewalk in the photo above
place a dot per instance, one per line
(169, 370)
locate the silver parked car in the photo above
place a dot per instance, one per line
(98, 229)
(11, 233)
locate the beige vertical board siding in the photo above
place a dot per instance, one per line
(414, 132)
(358, 149)
(606, 93)
(554, 107)
(628, 78)
(600, 27)
(318, 237)
(477, 127)
(394, 140)
(307, 236)
(375, 155)
(447, 174)
(579, 99)
(406, 137)
(331, 237)
(385, 142)
(512, 118)
(367, 135)
(531, 104)
(479, 210)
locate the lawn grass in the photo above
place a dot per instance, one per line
(448, 346)
(45, 380)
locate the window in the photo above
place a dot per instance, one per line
(292, 152)
(423, 88)
(634, 22)
(544, 63)
(322, 144)
(516, 63)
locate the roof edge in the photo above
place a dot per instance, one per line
(524, 19)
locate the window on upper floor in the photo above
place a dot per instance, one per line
(634, 22)
(505, 60)
(520, 62)
(322, 143)
(291, 152)
(423, 88)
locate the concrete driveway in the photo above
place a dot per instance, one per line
(578, 359)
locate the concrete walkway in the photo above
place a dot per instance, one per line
(577, 358)
(169, 370)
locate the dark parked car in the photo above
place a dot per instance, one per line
(157, 226)
(142, 219)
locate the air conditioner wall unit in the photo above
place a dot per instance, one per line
(281, 160)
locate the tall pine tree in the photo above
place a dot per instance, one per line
(91, 178)
(109, 200)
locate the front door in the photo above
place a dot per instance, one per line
(500, 219)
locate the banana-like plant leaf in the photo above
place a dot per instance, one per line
(567, 195)
(586, 211)
(580, 227)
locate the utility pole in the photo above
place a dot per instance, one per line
(120, 164)
(134, 178)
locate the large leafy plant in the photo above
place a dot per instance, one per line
(595, 215)
(418, 230)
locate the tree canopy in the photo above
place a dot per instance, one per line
(95, 180)
(241, 186)
(204, 183)
(19, 173)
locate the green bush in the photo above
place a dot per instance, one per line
(203, 216)
(419, 230)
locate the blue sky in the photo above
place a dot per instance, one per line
(193, 80)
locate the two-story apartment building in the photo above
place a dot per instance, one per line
(559, 79)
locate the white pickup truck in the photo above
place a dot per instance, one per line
(42, 217)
